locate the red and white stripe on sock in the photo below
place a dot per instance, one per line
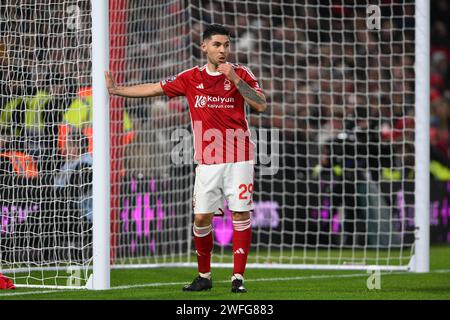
(203, 241)
(242, 239)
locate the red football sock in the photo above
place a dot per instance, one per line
(242, 239)
(203, 240)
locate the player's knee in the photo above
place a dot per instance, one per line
(240, 215)
(241, 221)
(203, 220)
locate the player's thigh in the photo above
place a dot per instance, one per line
(208, 197)
(238, 186)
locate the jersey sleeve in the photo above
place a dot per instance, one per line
(250, 78)
(174, 86)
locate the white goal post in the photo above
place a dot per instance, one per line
(101, 164)
(346, 137)
(422, 137)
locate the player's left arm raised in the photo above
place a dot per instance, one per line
(255, 99)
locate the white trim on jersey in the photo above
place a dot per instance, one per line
(211, 73)
(250, 73)
(186, 70)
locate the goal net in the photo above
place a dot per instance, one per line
(46, 160)
(335, 175)
(334, 183)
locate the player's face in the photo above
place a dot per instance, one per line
(217, 49)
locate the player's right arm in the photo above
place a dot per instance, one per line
(137, 91)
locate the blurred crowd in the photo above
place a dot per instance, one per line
(341, 94)
(41, 57)
(323, 72)
(45, 79)
(440, 80)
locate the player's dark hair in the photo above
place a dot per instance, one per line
(214, 29)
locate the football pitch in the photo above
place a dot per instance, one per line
(263, 284)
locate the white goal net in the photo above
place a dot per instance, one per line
(341, 96)
(335, 174)
(46, 163)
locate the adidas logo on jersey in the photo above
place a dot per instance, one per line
(200, 86)
(239, 251)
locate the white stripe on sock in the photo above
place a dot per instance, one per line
(201, 231)
(242, 225)
(206, 275)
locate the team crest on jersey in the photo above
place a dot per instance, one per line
(169, 79)
(226, 84)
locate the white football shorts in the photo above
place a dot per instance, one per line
(215, 183)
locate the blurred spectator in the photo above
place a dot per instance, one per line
(440, 82)
(19, 174)
(74, 178)
(149, 156)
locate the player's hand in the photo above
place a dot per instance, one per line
(110, 83)
(228, 71)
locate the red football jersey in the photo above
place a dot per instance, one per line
(219, 124)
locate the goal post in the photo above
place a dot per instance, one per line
(342, 168)
(422, 137)
(101, 155)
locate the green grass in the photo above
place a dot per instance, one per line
(270, 284)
